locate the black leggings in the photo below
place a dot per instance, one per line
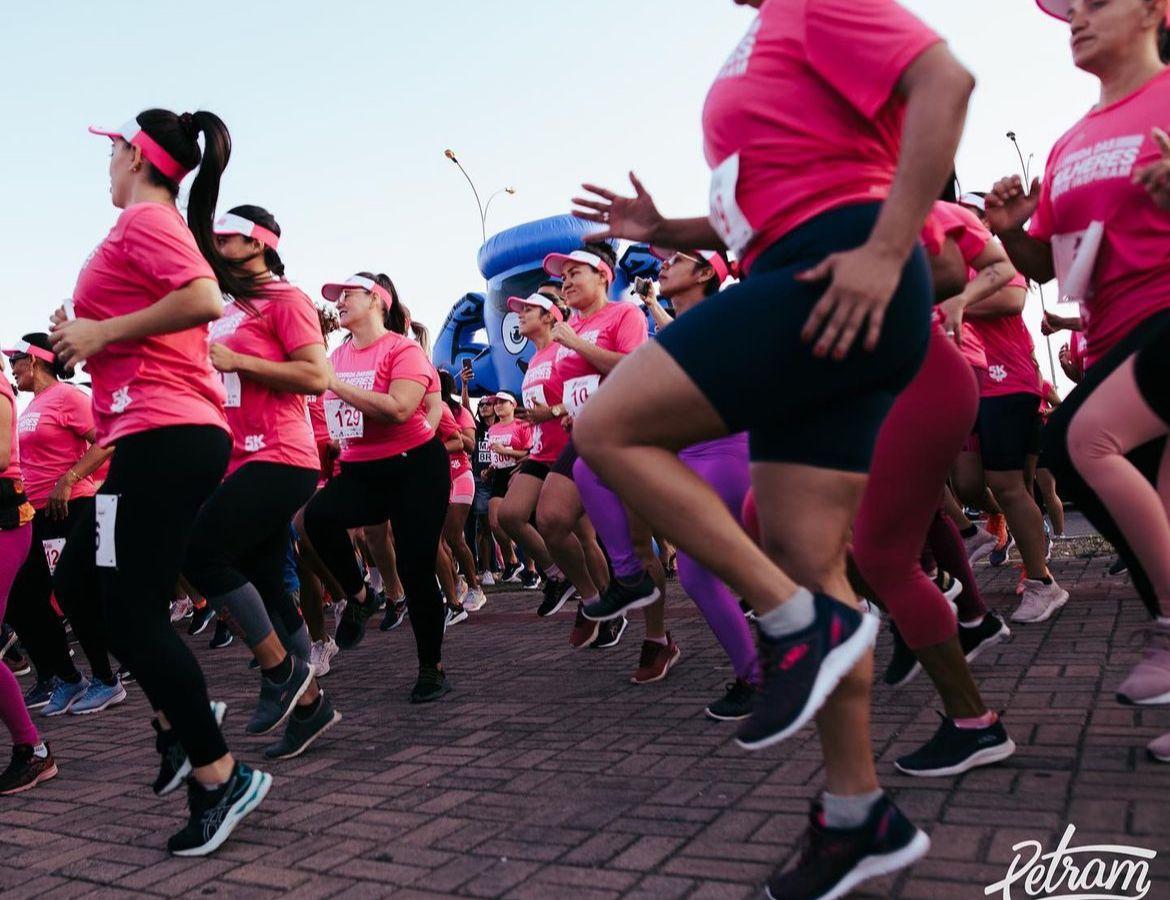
(1146, 458)
(412, 491)
(242, 537)
(160, 479)
(37, 623)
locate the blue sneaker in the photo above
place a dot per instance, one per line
(39, 694)
(999, 555)
(64, 696)
(99, 696)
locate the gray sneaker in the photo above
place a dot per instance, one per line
(1039, 601)
(277, 700)
(300, 733)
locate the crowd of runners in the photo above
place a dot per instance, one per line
(833, 428)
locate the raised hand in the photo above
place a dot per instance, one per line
(1008, 206)
(633, 218)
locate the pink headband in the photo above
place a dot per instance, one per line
(333, 291)
(517, 304)
(554, 263)
(1062, 9)
(709, 257)
(133, 135)
(26, 349)
(230, 223)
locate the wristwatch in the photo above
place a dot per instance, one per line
(558, 411)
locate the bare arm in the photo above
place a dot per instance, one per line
(397, 405)
(305, 372)
(6, 413)
(989, 290)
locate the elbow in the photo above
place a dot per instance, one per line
(318, 383)
(207, 303)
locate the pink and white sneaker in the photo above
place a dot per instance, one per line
(1148, 683)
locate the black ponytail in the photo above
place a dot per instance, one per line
(1164, 42)
(262, 217)
(447, 386)
(395, 316)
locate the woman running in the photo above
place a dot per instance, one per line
(1045, 480)
(805, 141)
(268, 349)
(1100, 224)
(58, 458)
(31, 761)
(462, 493)
(393, 467)
(143, 302)
(508, 440)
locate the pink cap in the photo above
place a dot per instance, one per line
(230, 223)
(504, 395)
(333, 291)
(715, 260)
(554, 263)
(1062, 9)
(133, 135)
(24, 348)
(517, 304)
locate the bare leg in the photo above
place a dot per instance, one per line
(380, 542)
(1023, 517)
(453, 534)
(498, 531)
(1047, 484)
(558, 512)
(515, 516)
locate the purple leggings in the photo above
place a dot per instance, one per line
(14, 549)
(723, 464)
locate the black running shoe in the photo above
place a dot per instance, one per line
(395, 614)
(277, 700)
(954, 750)
(7, 638)
(557, 591)
(609, 633)
(431, 685)
(39, 694)
(174, 765)
(999, 556)
(991, 631)
(736, 702)
(26, 770)
(801, 670)
(125, 674)
(904, 666)
(216, 813)
(352, 627)
(619, 599)
(1119, 567)
(833, 861)
(530, 581)
(511, 574)
(300, 731)
(201, 619)
(222, 637)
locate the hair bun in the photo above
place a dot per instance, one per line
(188, 122)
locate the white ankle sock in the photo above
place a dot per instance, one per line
(794, 614)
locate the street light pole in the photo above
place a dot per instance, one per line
(483, 210)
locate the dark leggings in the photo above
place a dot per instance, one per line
(242, 537)
(32, 615)
(160, 479)
(412, 491)
(1145, 458)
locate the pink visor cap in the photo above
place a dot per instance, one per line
(554, 263)
(1062, 9)
(710, 257)
(24, 348)
(230, 223)
(333, 291)
(133, 135)
(517, 304)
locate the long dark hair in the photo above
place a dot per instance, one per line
(447, 385)
(395, 316)
(1164, 42)
(179, 136)
(262, 217)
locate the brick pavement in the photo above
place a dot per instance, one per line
(545, 774)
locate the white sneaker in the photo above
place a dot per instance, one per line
(181, 608)
(952, 593)
(321, 656)
(461, 588)
(487, 579)
(1039, 601)
(980, 544)
(474, 600)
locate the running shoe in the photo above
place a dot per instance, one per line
(26, 770)
(974, 639)
(1158, 750)
(39, 694)
(904, 666)
(950, 586)
(979, 545)
(302, 730)
(98, 696)
(511, 574)
(125, 675)
(461, 588)
(801, 670)
(1119, 567)
(999, 555)
(7, 638)
(174, 765)
(1047, 541)
(584, 631)
(277, 699)
(201, 619)
(487, 579)
(619, 599)
(181, 608)
(954, 750)
(1039, 601)
(530, 581)
(735, 704)
(556, 592)
(609, 633)
(1148, 682)
(455, 615)
(17, 662)
(352, 626)
(656, 661)
(395, 615)
(223, 635)
(65, 694)
(216, 813)
(474, 600)
(833, 861)
(321, 656)
(431, 685)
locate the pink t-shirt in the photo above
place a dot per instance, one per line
(52, 432)
(515, 435)
(268, 425)
(544, 385)
(620, 327)
(12, 470)
(807, 101)
(158, 381)
(1011, 354)
(1088, 179)
(390, 358)
(451, 425)
(316, 407)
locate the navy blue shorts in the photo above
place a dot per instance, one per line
(1009, 431)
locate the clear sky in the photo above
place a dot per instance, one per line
(340, 113)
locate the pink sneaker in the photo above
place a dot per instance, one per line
(979, 545)
(1159, 749)
(1148, 683)
(1039, 601)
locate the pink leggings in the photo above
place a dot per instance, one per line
(916, 446)
(14, 549)
(1114, 420)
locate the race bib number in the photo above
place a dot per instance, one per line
(534, 396)
(231, 384)
(578, 391)
(1074, 256)
(726, 217)
(344, 421)
(53, 548)
(106, 507)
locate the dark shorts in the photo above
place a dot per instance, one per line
(534, 468)
(499, 482)
(564, 464)
(1152, 368)
(1009, 431)
(743, 350)
(483, 494)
